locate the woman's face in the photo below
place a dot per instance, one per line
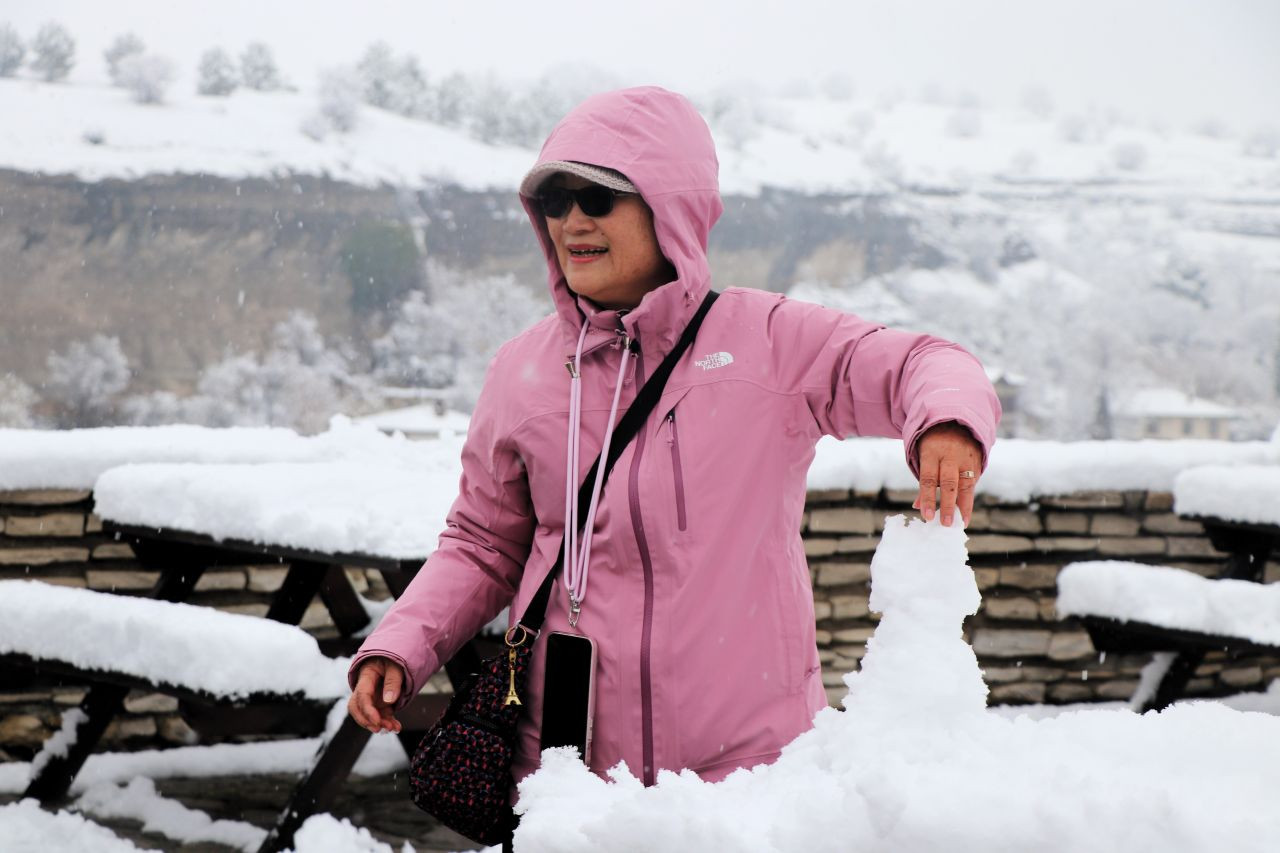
(631, 264)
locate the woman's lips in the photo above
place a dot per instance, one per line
(585, 254)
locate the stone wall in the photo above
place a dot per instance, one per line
(1016, 551)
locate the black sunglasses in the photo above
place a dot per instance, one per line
(593, 201)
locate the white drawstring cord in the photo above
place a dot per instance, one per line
(578, 557)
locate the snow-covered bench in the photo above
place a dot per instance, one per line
(115, 643)
(1131, 608)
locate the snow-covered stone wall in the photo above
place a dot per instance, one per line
(1016, 549)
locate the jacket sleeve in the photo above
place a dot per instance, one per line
(476, 566)
(860, 378)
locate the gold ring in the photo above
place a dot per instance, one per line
(968, 475)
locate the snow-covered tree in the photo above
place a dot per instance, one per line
(447, 342)
(84, 381)
(377, 70)
(124, 46)
(216, 73)
(53, 52)
(1037, 101)
(12, 51)
(837, 86)
(146, 76)
(340, 99)
(17, 399)
(258, 68)
(451, 97)
(965, 123)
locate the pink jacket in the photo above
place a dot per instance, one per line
(699, 600)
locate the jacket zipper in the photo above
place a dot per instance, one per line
(678, 470)
(646, 632)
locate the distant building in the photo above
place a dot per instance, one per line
(1169, 413)
(1008, 387)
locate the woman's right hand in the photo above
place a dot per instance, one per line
(378, 686)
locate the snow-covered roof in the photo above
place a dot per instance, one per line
(1171, 598)
(424, 420)
(180, 644)
(1249, 493)
(1170, 403)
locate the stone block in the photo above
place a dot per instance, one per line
(114, 580)
(1030, 577)
(857, 544)
(1190, 546)
(826, 496)
(176, 731)
(1116, 688)
(826, 656)
(835, 695)
(823, 637)
(849, 606)
(994, 543)
(50, 524)
(42, 556)
(25, 697)
(821, 610)
(1020, 693)
(150, 703)
(76, 581)
(1011, 608)
(1168, 523)
(212, 581)
(69, 697)
(1001, 674)
(842, 519)
(1010, 643)
(853, 635)
(1085, 500)
(1066, 522)
(113, 551)
(1249, 676)
(840, 574)
(130, 728)
(1158, 502)
(92, 523)
(1069, 544)
(25, 730)
(986, 578)
(44, 497)
(1071, 645)
(904, 497)
(819, 547)
(1048, 608)
(1070, 691)
(266, 578)
(1106, 524)
(316, 616)
(831, 678)
(358, 579)
(1013, 521)
(1042, 673)
(1197, 686)
(1132, 546)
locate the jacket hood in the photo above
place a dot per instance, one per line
(663, 146)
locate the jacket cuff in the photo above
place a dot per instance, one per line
(977, 426)
(407, 691)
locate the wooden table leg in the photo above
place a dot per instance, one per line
(100, 705)
(300, 585)
(318, 790)
(340, 597)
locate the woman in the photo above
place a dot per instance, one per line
(698, 594)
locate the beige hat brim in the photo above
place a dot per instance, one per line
(605, 177)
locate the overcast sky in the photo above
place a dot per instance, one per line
(1176, 61)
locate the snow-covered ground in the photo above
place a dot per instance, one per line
(810, 144)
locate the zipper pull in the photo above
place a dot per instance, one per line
(513, 698)
(671, 427)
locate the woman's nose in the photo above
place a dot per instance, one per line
(577, 221)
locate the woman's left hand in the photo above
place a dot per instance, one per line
(950, 462)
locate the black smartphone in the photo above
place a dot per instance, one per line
(569, 692)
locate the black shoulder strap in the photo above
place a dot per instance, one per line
(626, 430)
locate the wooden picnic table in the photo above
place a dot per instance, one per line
(1248, 544)
(182, 556)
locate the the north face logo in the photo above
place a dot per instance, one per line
(716, 359)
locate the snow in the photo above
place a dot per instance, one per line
(1249, 493)
(27, 828)
(916, 762)
(1171, 598)
(139, 801)
(181, 644)
(63, 739)
(1021, 470)
(808, 144)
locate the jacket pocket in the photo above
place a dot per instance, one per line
(677, 470)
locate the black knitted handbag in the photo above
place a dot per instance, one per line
(461, 770)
